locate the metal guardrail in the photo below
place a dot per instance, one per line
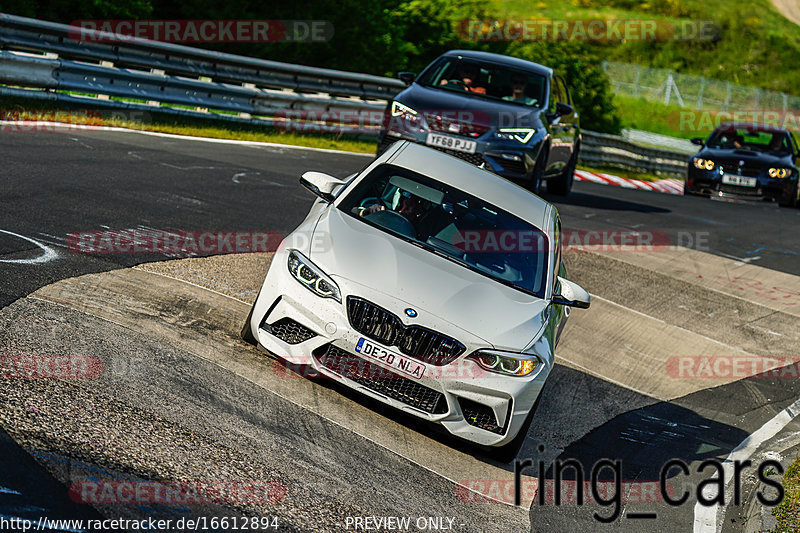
(24, 34)
(603, 150)
(45, 60)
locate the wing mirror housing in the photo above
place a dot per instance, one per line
(561, 110)
(698, 141)
(572, 295)
(564, 109)
(407, 77)
(321, 184)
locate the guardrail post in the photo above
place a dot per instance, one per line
(727, 95)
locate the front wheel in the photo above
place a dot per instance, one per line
(794, 200)
(535, 183)
(562, 185)
(247, 329)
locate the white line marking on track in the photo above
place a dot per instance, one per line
(189, 137)
(705, 518)
(742, 259)
(48, 253)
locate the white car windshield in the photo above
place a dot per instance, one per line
(454, 224)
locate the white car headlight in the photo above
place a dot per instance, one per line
(310, 275)
(522, 135)
(507, 363)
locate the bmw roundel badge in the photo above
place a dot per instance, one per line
(411, 313)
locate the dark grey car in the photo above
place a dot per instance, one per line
(507, 115)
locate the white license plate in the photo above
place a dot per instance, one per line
(744, 181)
(398, 362)
(453, 143)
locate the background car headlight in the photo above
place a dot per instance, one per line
(522, 135)
(507, 363)
(703, 164)
(779, 172)
(312, 277)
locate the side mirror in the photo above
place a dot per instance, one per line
(564, 109)
(407, 77)
(561, 110)
(698, 141)
(321, 184)
(572, 295)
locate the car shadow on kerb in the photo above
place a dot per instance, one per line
(703, 426)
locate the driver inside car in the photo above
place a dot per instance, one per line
(468, 75)
(410, 206)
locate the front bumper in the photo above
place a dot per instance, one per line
(306, 331)
(506, 158)
(709, 183)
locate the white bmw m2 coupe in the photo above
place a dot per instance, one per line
(428, 284)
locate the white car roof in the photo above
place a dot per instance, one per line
(471, 179)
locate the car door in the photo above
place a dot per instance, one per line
(559, 154)
(561, 312)
(569, 123)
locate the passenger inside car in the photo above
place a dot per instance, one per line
(519, 84)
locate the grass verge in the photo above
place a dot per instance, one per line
(32, 109)
(788, 512)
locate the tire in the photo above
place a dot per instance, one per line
(562, 185)
(535, 183)
(793, 201)
(247, 330)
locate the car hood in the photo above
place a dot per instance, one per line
(410, 276)
(429, 100)
(750, 157)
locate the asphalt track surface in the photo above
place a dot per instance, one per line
(56, 183)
